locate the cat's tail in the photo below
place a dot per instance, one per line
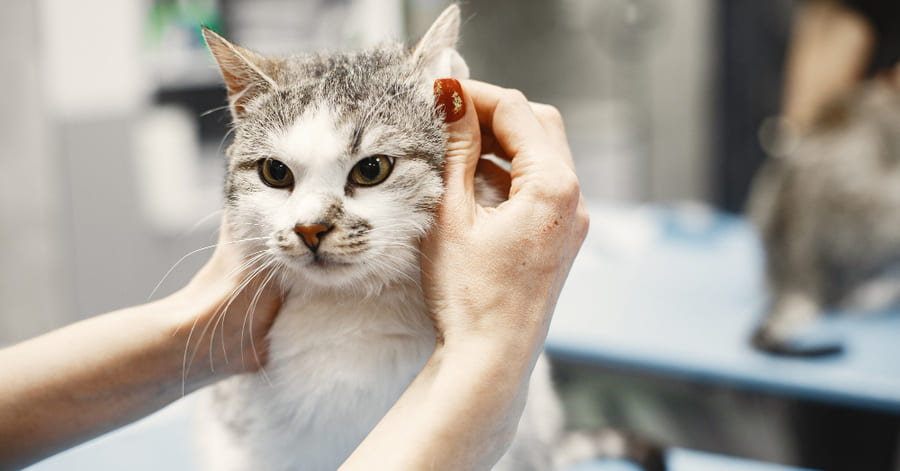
(580, 446)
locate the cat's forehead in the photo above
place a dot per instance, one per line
(355, 86)
(314, 138)
(347, 79)
(328, 106)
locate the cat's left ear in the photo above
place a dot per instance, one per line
(436, 51)
(242, 70)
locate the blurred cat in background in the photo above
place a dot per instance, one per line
(828, 211)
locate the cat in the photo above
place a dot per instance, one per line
(333, 176)
(829, 216)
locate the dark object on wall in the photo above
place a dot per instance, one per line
(885, 18)
(753, 39)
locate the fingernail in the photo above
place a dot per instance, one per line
(448, 97)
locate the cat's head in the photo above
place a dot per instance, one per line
(334, 172)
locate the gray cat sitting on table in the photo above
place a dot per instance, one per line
(829, 216)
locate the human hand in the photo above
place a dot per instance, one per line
(492, 276)
(227, 311)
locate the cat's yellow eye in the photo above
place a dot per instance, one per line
(372, 170)
(275, 173)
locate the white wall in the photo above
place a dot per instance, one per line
(34, 289)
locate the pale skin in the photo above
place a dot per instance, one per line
(75, 383)
(830, 48)
(491, 278)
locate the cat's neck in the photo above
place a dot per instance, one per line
(398, 308)
(365, 291)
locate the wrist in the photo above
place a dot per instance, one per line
(509, 333)
(463, 409)
(220, 325)
(188, 319)
(481, 388)
(497, 373)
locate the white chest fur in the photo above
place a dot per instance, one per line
(336, 365)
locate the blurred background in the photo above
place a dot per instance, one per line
(113, 130)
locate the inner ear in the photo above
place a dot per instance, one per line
(436, 52)
(242, 70)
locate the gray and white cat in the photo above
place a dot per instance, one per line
(333, 177)
(829, 215)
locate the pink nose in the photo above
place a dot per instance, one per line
(311, 234)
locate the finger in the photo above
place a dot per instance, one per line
(505, 114)
(551, 121)
(508, 116)
(463, 144)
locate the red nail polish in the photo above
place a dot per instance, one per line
(448, 98)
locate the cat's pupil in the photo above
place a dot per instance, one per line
(277, 170)
(370, 168)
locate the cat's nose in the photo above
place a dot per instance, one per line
(311, 234)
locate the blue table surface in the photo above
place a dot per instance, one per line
(162, 441)
(677, 291)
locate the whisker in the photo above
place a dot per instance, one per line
(192, 253)
(250, 313)
(228, 133)
(213, 110)
(203, 220)
(255, 272)
(187, 362)
(184, 359)
(220, 317)
(380, 263)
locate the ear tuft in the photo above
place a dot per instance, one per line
(436, 51)
(242, 70)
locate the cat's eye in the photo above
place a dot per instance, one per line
(275, 173)
(372, 170)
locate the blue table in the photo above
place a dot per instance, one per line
(677, 291)
(162, 442)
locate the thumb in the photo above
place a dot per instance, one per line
(463, 144)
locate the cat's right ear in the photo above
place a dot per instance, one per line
(436, 52)
(242, 70)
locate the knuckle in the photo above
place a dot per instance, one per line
(582, 220)
(568, 184)
(549, 114)
(561, 189)
(514, 96)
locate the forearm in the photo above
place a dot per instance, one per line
(80, 381)
(460, 412)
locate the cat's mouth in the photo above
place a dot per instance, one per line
(324, 261)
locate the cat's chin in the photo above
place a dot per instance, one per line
(328, 269)
(330, 274)
(328, 263)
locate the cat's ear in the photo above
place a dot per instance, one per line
(242, 70)
(436, 51)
